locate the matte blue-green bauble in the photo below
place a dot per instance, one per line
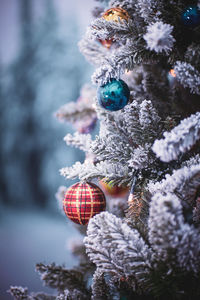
(191, 16)
(114, 95)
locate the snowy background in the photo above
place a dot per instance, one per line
(40, 70)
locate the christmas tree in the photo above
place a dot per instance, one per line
(147, 59)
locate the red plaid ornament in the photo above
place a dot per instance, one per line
(82, 201)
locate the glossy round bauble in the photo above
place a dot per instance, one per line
(114, 95)
(115, 14)
(191, 16)
(114, 190)
(82, 201)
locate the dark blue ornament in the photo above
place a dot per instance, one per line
(114, 95)
(191, 16)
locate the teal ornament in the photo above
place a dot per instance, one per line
(114, 95)
(191, 16)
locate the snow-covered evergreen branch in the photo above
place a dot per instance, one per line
(148, 9)
(158, 37)
(170, 236)
(73, 111)
(192, 55)
(78, 140)
(72, 295)
(127, 254)
(123, 59)
(184, 183)
(188, 76)
(20, 293)
(93, 51)
(100, 289)
(148, 115)
(118, 173)
(123, 30)
(60, 278)
(179, 140)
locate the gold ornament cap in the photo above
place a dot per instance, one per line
(115, 13)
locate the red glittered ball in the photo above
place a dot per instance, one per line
(82, 201)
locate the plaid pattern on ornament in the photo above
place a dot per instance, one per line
(83, 201)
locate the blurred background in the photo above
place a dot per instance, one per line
(41, 69)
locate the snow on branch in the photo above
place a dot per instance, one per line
(81, 113)
(72, 295)
(112, 148)
(99, 287)
(184, 183)
(76, 171)
(20, 293)
(140, 158)
(61, 278)
(158, 37)
(127, 137)
(123, 30)
(148, 115)
(93, 51)
(74, 111)
(78, 140)
(119, 173)
(121, 60)
(179, 140)
(171, 238)
(194, 160)
(188, 76)
(126, 4)
(104, 73)
(116, 248)
(147, 8)
(192, 54)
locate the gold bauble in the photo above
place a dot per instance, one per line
(115, 13)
